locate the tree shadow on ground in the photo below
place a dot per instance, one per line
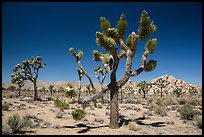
(125, 121)
(87, 128)
(23, 132)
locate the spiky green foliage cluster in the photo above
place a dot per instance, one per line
(122, 25)
(17, 124)
(105, 42)
(146, 27)
(77, 55)
(99, 69)
(96, 55)
(144, 84)
(128, 40)
(150, 65)
(161, 83)
(151, 45)
(61, 104)
(69, 85)
(78, 114)
(71, 92)
(105, 24)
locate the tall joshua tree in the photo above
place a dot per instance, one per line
(18, 79)
(100, 74)
(144, 87)
(29, 70)
(161, 83)
(112, 41)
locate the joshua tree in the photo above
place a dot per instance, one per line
(51, 88)
(108, 40)
(144, 87)
(43, 89)
(70, 90)
(178, 92)
(12, 88)
(100, 72)
(29, 70)
(17, 78)
(161, 83)
(127, 88)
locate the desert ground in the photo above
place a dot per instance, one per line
(49, 120)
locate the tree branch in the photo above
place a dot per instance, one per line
(92, 85)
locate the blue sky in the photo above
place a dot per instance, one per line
(49, 29)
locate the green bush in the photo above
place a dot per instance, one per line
(17, 124)
(187, 112)
(160, 110)
(159, 101)
(198, 120)
(78, 114)
(61, 104)
(168, 100)
(6, 130)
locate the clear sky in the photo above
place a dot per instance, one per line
(49, 29)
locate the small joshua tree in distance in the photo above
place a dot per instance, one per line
(29, 70)
(161, 83)
(100, 74)
(144, 87)
(18, 79)
(51, 88)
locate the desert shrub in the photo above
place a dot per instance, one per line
(159, 101)
(149, 100)
(6, 130)
(133, 100)
(132, 126)
(198, 120)
(152, 105)
(198, 110)
(5, 106)
(168, 100)
(193, 101)
(187, 112)
(160, 110)
(61, 104)
(61, 90)
(17, 124)
(182, 100)
(78, 114)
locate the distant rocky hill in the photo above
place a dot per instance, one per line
(174, 83)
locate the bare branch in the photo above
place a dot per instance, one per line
(92, 85)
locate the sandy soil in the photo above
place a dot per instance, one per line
(97, 120)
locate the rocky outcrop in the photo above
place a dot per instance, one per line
(174, 84)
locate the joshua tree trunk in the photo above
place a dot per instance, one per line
(161, 93)
(113, 103)
(102, 99)
(143, 93)
(35, 90)
(121, 95)
(79, 92)
(19, 91)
